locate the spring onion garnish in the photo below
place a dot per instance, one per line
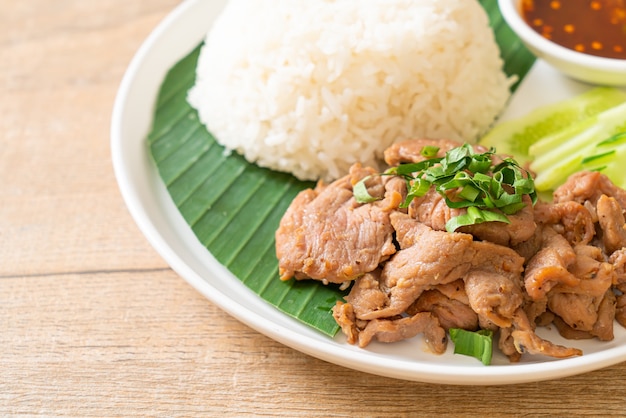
(478, 344)
(359, 190)
(465, 179)
(429, 151)
(597, 157)
(616, 139)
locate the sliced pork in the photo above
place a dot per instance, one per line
(561, 263)
(549, 266)
(570, 219)
(588, 186)
(450, 304)
(326, 235)
(389, 330)
(611, 220)
(526, 341)
(429, 258)
(397, 329)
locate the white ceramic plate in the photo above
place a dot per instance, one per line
(158, 218)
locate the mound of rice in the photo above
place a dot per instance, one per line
(312, 86)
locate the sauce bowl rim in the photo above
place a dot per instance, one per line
(511, 12)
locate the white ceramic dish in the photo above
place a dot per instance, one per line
(150, 205)
(580, 66)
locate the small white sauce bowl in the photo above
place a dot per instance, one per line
(577, 65)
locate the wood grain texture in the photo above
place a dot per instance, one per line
(92, 320)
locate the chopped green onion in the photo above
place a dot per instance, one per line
(429, 151)
(361, 195)
(469, 193)
(481, 163)
(614, 140)
(417, 188)
(408, 169)
(477, 344)
(474, 216)
(465, 179)
(593, 158)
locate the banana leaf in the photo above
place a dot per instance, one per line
(234, 207)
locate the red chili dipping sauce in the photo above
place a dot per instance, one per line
(595, 27)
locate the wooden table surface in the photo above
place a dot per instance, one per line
(93, 322)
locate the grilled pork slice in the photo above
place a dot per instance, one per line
(570, 219)
(430, 258)
(450, 304)
(326, 235)
(586, 187)
(549, 266)
(526, 341)
(611, 220)
(389, 330)
(451, 272)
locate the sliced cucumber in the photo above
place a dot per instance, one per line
(592, 143)
(516, 136)
(614, 167)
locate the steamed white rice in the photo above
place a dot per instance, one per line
(312, 86)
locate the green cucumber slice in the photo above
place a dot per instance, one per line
(516, 136)
(589, 144)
